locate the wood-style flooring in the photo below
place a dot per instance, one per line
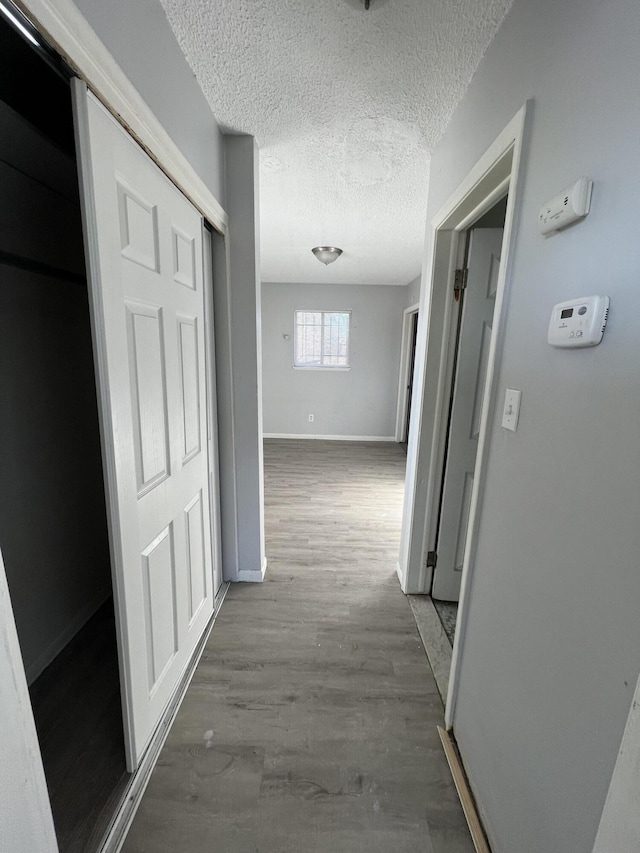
(310, 723)
(77, 709)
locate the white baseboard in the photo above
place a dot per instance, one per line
(38, 666)
(253, 575)
(330, 437)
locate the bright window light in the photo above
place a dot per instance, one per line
(321, 339)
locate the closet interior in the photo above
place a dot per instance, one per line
(53, 523)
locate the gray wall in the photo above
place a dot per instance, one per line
(52, 516)
(551, 660)
(412, 291)
(140, 39)
(358, 402)
(241, 432)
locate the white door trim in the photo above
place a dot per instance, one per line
(25, 797)
(403, 378)
(69, 32)
(619, 827)
(497, 170)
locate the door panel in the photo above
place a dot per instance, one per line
(160, 609)
(148, 394)
(144, 243)
(190, 387)
(138, 228)
(184, 260)
(466, 411)
(196, 556)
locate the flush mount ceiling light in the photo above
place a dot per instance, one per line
(327, 254)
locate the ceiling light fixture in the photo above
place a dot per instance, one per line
(327, 254)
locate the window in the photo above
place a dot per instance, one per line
(321, 339)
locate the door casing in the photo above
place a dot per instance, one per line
(497, 173)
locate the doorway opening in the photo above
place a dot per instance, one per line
(407, 372)
(493, 178)
(473, 306)
(53, 523)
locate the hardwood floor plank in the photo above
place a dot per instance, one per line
(310, 723)
(77, 709)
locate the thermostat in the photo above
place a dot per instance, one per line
(579, 323)
(571, 204)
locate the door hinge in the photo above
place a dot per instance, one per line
(460, 282)
(432, 559)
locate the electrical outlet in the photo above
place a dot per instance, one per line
(311, 417)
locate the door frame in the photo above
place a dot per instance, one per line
(497, 172)
(405, 370)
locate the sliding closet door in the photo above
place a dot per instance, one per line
(144, 245)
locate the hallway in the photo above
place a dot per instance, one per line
(310, 723)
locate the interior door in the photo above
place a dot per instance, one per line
(468, 392)
(144, 249)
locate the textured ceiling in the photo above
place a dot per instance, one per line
(346, 105)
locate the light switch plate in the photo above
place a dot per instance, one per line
(511, 409)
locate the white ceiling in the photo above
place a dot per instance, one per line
(346, 105)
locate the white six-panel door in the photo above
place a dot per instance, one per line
(144, 244)
(468, 396)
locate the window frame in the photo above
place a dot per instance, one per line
(322, 312)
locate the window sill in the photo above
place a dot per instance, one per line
(317, 369)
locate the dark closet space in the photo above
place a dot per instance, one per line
(53, 528)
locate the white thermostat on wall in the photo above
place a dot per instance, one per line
(579, 322)
(571, 204)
